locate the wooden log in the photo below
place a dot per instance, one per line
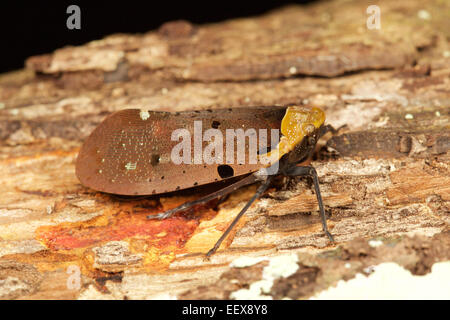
(384, 177)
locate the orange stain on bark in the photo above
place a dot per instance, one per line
(168, 233)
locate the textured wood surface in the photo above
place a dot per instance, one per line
(385, 176)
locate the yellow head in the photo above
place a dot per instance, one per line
(298, 122)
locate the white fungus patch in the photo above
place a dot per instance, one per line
(409, 116)
(254, 292)
(144, 115)
(279, 267)
(375, 243)
(391, 281)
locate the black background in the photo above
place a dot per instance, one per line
(35, 27)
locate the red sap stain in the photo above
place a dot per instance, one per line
(172, 232)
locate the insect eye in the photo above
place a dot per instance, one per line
(312, 140)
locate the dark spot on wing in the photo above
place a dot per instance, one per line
(215, 124)
(225, 171)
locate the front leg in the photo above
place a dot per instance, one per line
(261, 189)
(310, 171)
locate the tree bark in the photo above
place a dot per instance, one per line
(385, 176)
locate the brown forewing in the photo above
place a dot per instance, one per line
(128, 155)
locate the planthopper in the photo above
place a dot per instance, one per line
(139, 152)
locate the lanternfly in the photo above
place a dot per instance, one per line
(132, 152)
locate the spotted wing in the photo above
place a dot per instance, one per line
(129, 153)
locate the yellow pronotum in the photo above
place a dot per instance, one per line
(297, 123)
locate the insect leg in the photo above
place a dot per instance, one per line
(263, 187)
(222, 192)
(310, 171)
